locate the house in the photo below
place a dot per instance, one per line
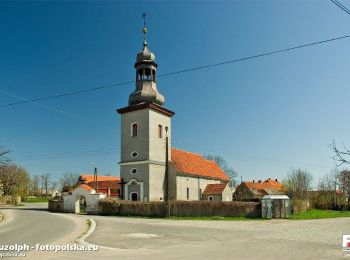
(109, 185)
(256, 190)
(146, 150)
(217, 192)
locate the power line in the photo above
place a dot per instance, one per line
(341, 6)
(178, 72)
(26, 100)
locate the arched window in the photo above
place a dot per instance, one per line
(160, 131)
(139, 74)
(148, 73)
(154, 75)
(134, 129)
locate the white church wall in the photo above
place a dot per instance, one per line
(156, 182)
(141, 175)
(195, 185)
(227, 194)
(139, 143)
(157, 145)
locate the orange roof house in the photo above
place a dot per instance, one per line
(215, 189)
(105, 184)
(217, 192)
(255, 190)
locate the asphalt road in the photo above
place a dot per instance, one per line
(139, 238)
(134, 238)
(33, 224)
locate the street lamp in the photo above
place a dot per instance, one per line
(166, 195)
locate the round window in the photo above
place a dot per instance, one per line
(133, 171)
(134, 154)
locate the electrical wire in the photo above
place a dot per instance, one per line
(341, 6)
(178, 72)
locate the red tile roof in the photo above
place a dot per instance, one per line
(215, 189)
(195, 164)
(275, 183)
(106, 184)
(90, 178)
(268, 184)
(85, 187)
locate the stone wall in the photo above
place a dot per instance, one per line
(56, 205)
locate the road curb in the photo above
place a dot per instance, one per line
(81, 240)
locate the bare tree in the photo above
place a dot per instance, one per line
(327, 187)
(34, 185)
(298, 182)
(45, 179)
(14, 180)
(68, 181)
(220, 161)
(4, 160)
(340, 156)
(344, 184)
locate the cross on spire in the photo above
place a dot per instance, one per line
(144, 29)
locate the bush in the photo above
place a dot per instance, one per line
(300, 206)
(326, 200)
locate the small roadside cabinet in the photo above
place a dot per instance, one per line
(275, 206)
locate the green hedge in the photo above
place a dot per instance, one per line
(111, 206)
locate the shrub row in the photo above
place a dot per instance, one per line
(300, 206)
(10, 200)
(110, 206)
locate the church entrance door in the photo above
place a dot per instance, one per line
(134, 196)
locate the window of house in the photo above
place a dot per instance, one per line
(134, 154)
(134, 129)
(133, 171)
(210, 198)
(160, 131)
(188, 193)
(200, 193)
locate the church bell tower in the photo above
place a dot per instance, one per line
(143, 131)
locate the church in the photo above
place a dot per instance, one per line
(149, 165)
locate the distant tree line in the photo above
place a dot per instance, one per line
(15, 180)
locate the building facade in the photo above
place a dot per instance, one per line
(145, 124)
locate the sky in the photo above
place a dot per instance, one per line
(265, 116)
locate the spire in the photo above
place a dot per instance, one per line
(144, 30)
(146, 75)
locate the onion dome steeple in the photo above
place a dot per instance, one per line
(146, 81)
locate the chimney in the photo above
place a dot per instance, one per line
(276, 180)
(259, 181)
(269, 179)
(253, 181)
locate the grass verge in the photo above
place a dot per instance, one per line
(319, 214)
(35, 199)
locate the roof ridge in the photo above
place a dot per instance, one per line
(186, 151)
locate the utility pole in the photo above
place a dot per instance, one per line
(95, 179)
(166, 179)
